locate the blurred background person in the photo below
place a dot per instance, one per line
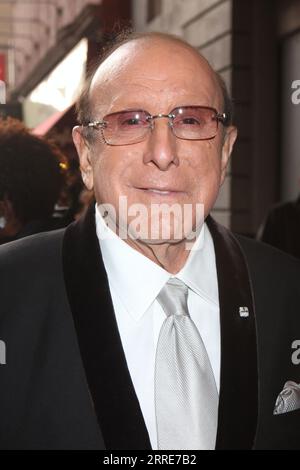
(84, 201)
(282, 227)
(31, 180)
(72, 190)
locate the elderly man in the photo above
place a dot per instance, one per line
(146, 325)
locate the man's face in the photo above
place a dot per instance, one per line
(156, 77)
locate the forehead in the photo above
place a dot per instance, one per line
(145, 71)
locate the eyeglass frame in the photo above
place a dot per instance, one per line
(219, 117)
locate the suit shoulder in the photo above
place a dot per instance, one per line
(31, 251)
(267, 257)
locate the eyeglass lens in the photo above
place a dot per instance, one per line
(189, 122)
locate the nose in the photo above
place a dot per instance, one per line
(161, 145)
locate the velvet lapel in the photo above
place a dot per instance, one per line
(238, 405)
(115, 402)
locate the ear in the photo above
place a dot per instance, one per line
(84, 153)
(228, 143)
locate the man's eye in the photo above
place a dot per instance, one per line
(132, 122)
(191, 121)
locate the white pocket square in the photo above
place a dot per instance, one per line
(288, 399)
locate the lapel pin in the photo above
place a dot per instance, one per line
(244, 312)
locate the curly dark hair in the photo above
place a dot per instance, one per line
(31, 176)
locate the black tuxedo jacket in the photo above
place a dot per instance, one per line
(65, 383)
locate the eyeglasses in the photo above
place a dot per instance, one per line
(132, 126)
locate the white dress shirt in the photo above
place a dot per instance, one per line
(134, 282)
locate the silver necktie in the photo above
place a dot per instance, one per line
(186, 397)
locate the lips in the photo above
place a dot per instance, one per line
(162, 190)
(160, 194)
(159, 191)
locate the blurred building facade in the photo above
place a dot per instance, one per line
(39, 33)
(37, 36)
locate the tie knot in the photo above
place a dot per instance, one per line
(173, 297)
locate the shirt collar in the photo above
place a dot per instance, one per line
(200, 272)
(137, 280)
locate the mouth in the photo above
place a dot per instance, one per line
(160, 191)
(161, 194)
